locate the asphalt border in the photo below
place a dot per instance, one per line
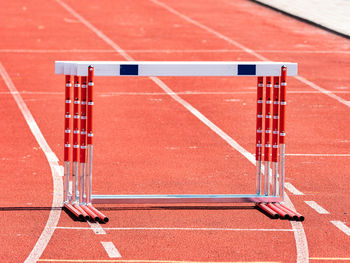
(302, 19)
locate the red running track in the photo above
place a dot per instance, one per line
(148, 143)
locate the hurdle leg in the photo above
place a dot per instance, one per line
(259, 117)
(282, 124)
(267, 149)
(90, 208)
(67, 135)
(82, 157)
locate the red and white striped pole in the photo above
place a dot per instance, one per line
(259, 123)
(282, 145)
(67, 136)
(276, 91)
(267, 149)
(90, 133)
(76, 129)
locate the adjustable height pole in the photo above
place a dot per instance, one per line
(67, 137)
(90, 133)
(259, 122)
(76, 139)
(282, 145)
(82, 195)
(267, 136)
(275, 114)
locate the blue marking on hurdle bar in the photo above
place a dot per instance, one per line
(132, 70)
(249, 70)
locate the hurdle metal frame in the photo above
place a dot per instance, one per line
(270, 172)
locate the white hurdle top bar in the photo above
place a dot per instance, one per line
(175, 68)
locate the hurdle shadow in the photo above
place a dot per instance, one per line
(189, 208)
(37, 208)
(266, 214)
(72, 216)
(28, 208)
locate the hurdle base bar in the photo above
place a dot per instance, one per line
(294, 214)
(85, 212)
(74, 211)
(181, 199)
(277, 210)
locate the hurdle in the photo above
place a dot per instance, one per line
(270, 132)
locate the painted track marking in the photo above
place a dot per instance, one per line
(119, 93)
(111, 250)
(319, 154)
(53, 162)
(341, 226)
(299, 234)
(181, 229)
(147, 261)
(169, 51)
(330, 259)
(96, 227)
(291, 188)
(319, 209)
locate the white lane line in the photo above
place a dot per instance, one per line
(109, 94)
(59, 170)
(111, 250)
(208, 92)
(323, 91)
(319, 154)
(341, 226)
(169, 51)
(299, 234)
(206, 121)
(330, 259)
(208, 29)
(181, 229)
(248, 50)
(319, 209)
(291, 188)
(99, 33)
(144, 261)
(162, 85)
(57, 51)
(33, 92)
(53, 162)
(97, 228)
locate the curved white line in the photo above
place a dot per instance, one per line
(300, 237)
(55, 168)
